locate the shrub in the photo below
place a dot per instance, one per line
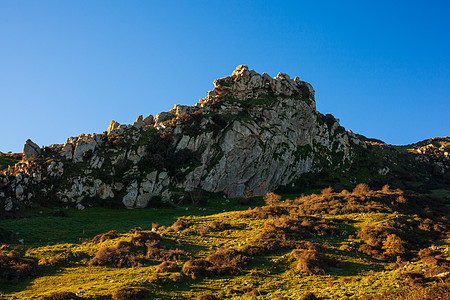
(116, 256)
(202, 230)
(141, 238)
(166, 255)
(130, 293)
(310, 261)
(412, 278)
(175, 277)
(386, 189)
(224, 261)
(181, 223)
(431, 257)
(220, 225)
(61, 296)
(393, 245)
(15, 268)
(198, 268)
(361, 190)
(165, 267)
(327, 191)
(105, 236)
(375, 235)
(271, 198)
(369, 250)
(308, 296)
(228, 260)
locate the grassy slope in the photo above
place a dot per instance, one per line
(9, 159)
(277, 272)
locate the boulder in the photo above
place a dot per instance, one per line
(148, 120)
(138, 123)
(31, 150)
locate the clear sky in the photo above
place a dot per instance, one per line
(70, 67)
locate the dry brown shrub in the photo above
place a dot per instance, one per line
(100, 238)
(345, 193)
(127, 293)
(280, 297)
(228, 260)
(412, 277)
(265, 212)
(141, 238)
(361, 190)
(61, 296)
(176, 277)
(432, 257)
(181, 223)
(310, 261)
(198, 268)
(327, 191)
(271, 198)
(220, 225)
(224, 261)
(116, 256)
(252, 250)
(386, 189)
(401, 199)
(308, 296)
(346, 247)
(165, 267)
(371, 251)
(375, 235)
(15, 268)
(202, 230)
(166, 254)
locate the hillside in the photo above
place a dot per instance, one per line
(356, 244)
(250, 135)
(249, 194)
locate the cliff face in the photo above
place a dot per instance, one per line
(249, 135)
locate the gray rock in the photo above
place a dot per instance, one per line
(31, 150)
(148, 120)
(129, 200)
(85, 143)
(112, 126)
(138, 123)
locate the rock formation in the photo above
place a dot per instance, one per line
(251, 134)
(31, 150)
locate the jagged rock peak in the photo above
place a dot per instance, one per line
(244, 84)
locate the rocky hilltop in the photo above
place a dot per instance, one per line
(251, 134)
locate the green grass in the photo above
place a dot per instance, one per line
(9, 159)
(56, 244)
(42, 228)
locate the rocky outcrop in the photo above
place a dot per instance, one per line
(112, 126)
(251, 134)
(31, 150)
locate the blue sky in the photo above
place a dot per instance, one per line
(70, 67)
